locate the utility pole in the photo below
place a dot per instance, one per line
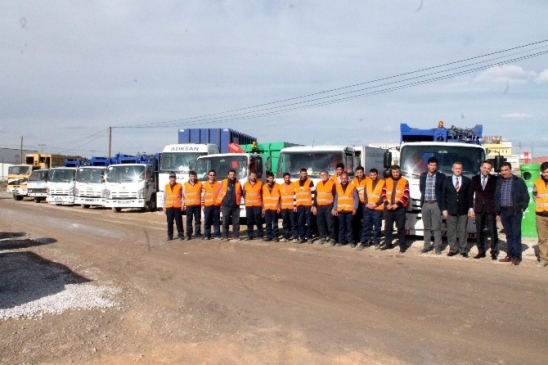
(41, 145)
(109, 142)
(21, 154)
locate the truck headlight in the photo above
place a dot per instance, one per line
(141, 193)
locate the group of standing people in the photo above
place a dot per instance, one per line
(351, 212)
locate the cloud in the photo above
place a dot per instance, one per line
(505, 74)
(542, 77)
(517, 116)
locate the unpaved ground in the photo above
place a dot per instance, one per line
(211, 302)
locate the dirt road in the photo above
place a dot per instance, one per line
(212, 302)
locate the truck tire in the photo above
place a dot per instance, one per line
(85, 206)
(37, 200)
(17, 197)
(117, 210)
(151, 205)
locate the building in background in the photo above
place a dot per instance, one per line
(498, 146)
(8, 157)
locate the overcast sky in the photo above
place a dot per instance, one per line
(69, 70)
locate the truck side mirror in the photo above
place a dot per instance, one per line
(498, 162)
(387, 159)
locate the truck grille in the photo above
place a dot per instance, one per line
(124, 195)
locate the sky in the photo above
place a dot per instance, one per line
(276, 70)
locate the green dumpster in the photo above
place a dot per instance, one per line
(529, 173)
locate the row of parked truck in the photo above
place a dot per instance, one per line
(138, 181)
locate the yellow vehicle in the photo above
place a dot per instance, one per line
(18, 175)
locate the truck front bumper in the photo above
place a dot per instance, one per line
(125, 203)
(60, 199)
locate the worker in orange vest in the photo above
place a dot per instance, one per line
(303, 194)
(230, 195)
(345, 206)
(193, 204)
(271, 207)
(372, 210)
(339, 169)
(540, 195)
(323, 203)
(359, 183)
(173, 206)
(395, 197)
(288, 208)
(211, 208)
(253, 196)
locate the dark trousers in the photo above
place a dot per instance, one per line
(456, 233)
(271, 220)
(304, 222)
(231, 214)
(487, 220)
(212, 215)
(174, 214)
(358, 223)
(254, 216)
(193, 212)
(289, 223)
(372, 226)
(324, 218)
(390, 217)
(346, 233)
(511, 221)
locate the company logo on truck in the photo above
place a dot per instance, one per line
(185, 149)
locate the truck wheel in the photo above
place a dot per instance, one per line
(85, 206)
(152, 204)
(17, 197)
(37, 200)
(117, 210)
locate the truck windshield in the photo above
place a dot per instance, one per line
(221, 165)
(180, 162)
(62, 175)
(19, 170)
(122, 173)
(414, 158)
(89, 175)
(39, 175)
(313, 162)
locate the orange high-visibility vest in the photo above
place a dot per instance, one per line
(224, 188)
(287, 192)
(253, 196)
(271, 200)
(335, 179)
(541, 202)
(373, 196)
(360, 187)
(173, 196)
(210, 193)
(303, 193)
(324, 193)
(345, 199)
(193, 193)
(400, 189)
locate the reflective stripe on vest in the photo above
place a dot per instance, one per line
(224, 188)
(193, 193)
(271, 199)
(287, 192)
(345, 199)
(173, 196)
(210, 193)
(360, 187)
(253, 194)
(541, 202)
(373, 196)
(303, 193)
(324, 193)
(400, 189)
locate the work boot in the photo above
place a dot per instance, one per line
(331, 243)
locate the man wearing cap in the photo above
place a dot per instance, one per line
(173, 206)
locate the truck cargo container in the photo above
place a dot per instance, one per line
(221, 137)
(270, 152)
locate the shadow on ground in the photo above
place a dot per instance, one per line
(26, 276)
(15, 240)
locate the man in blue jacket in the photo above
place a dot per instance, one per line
(431, 187)
(511, 200)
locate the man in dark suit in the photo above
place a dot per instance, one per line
(455, 210)
(431, 187)
(482, 207)
(511, 200)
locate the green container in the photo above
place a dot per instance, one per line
(529, 173)
(270, 152)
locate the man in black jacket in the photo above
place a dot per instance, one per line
(482, 208)
(511, 200)
(455, 210)
(431, 187)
